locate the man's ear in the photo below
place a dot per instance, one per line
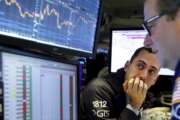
(126, 66)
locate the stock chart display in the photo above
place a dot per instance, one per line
(68, 24)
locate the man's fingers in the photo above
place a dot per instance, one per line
(145, 88)
(125, 85)
(136, 85)
(130, 83)
(141, 86)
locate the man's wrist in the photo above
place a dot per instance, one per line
(134, 109)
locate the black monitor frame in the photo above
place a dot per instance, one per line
(39, 56)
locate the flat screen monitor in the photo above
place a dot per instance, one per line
(38, 89)
(66, 24)
(124, 42)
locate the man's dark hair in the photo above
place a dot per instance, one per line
(137, 52)
(169, 7)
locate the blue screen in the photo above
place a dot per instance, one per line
(67, 24)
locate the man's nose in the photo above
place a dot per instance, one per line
(148, 42)
(143, 75)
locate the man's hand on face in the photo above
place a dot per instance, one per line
(136, 89)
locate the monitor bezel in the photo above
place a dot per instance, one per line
(43, 57)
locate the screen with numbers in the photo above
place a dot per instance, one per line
(38, 89)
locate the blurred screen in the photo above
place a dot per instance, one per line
(123, 45)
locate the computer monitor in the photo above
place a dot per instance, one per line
(124, 42)
(68, 25)
(38, 88)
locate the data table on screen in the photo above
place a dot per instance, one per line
(38, 89)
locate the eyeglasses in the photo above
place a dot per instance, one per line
(151, 22)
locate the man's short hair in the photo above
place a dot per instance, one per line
(137, 52)
(169, 7)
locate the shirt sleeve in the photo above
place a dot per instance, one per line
(136, 111)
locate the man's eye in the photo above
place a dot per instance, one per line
(140, 66)
(152, 72)
(152, 24)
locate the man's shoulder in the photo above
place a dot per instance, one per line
(99, 86)
(98, 83)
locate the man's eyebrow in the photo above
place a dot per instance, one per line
(142, 61)
(154, 68)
